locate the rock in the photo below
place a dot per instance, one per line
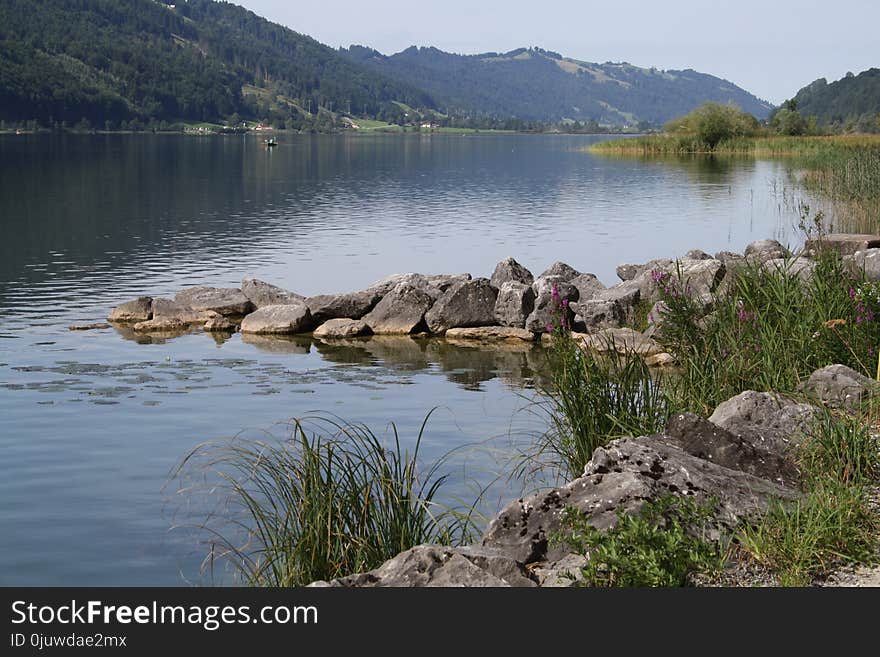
(656, 314)
(660, 360)
(225, 301)
(509, 270)
(770, 422)
(162, 325)
(565, 572)
(279, 320)
(621, 340)
(763, 250)
(136, 310)
(468, 303)
(219, 324)
(553, 297)
(699, 279)
(611, 308)
(401, 311)
(562, 271)
(514, 304)
(696, 254)
(599, 314)
(434, 566)
(621, 477)
(703, 439)
(342, 328)
(867, 261)
(839, 386)
(803, 268)
(491, 334)
(168, 310)
(629, 272)
(88, 327)
(263, 294)
(729, 258)
(587, 286)
(841, 243)
(434, 285)
(352, 305)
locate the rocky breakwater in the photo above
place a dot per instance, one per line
(741, 459)
(511, 306)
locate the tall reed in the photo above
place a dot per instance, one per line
(331, 500)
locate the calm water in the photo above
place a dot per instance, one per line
(92, 423)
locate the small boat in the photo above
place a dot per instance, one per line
(270, 142)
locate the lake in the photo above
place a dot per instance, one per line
(92, 423)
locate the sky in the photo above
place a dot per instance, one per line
(771, 49)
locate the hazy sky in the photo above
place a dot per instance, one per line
(770, 48)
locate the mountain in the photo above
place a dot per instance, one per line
(853, 98)
(536, 84)
(197, 60)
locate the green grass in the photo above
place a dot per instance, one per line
(844, 169)
(589, 401)
(332, 500)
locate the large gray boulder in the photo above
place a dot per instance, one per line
(468, 303)
(167, 310)
(351, 305)
(769, 421)
(434, 285)
(553, 298)
(562, 271)
(587, 286)
(514, 304)
(436, 566)
(621, 477)
(262, 294)
(136, 310)
(803, 268)
(279, 320)
(867, 262)
(843, 244)
(491, 334)
(839, 386)
(763, 250)
(401, 311)
(628, 272)
(703, 439)
(610, 308)
(509, 270)
(225, 301)
(341, 328)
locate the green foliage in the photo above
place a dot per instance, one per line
(789, 122)
(331, 501)
(663, 545)
(713, 123)
(800, 541)
(841, 448)
(851, 103)
(62, 60)
(769, 331)
(537, 85)
(593, 399)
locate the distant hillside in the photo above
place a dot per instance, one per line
(854, 98)
(112, 60)
(535, 84)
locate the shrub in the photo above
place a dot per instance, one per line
(663, 545)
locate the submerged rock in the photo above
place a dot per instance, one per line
(491, 334)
